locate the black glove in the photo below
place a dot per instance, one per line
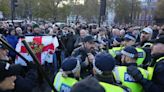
(135, 73)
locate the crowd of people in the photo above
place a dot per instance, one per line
(118, 58)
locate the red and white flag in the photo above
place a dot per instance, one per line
(43, 47)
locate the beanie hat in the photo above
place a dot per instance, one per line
(7, 70)
(35, 26)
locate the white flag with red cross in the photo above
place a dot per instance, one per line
(42, 46)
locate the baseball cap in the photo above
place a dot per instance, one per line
(89, 38)
(89, 84)
(130, 51)
(103, 62)
(7, 70)
(148, 30)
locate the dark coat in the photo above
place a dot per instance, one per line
(157, 82)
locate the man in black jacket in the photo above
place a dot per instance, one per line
(156, 74)
(103, 66)
(86, 53)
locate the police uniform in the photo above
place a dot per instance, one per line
(141, 56)
(63, 84)
(116, 42)
(155, 81)
(105, 63)
(141, 53)
(63, 81)
(156, 73)
(115, 51)
(121, 74)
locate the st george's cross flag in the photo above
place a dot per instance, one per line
(42, 46)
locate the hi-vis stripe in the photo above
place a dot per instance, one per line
(116, 73)
(58, 81)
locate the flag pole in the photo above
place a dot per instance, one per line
(35, 59)
(11, 48)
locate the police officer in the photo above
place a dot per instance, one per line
(156, 71)
(129, 40)
(86, 54)
(102, 70)
(116, 47)
(116, 42)
(68, 75)
(129, 57)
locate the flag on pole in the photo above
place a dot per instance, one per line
(42, 46)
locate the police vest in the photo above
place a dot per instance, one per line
(141, 56)
(63, 84)
(121, 75)
(151, 69)
(115, 51)
(141, 53)
(147, 44)
(111, 88)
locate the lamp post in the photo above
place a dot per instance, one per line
(132, 9)
(102, 11)
(30, 10)
(14, 4)
(12, 11)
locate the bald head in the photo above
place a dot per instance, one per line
(116, 32)
(122, 32)
(158, 49)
